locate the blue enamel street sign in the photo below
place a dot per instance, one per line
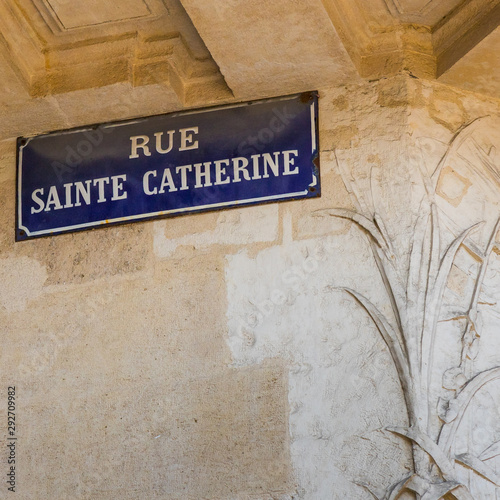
(168, 165)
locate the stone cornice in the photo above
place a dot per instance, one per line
(386, 39)
(152, 49)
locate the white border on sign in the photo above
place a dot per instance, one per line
(234, 203)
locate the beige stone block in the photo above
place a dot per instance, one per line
(78, 257)
(244, 226)
(21, 280)
(125, 391)
(276, 47)
(91, 12)
(100, 253)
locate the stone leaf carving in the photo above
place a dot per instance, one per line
(415, 285)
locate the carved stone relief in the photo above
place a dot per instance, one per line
(389, 324)
(416, 288)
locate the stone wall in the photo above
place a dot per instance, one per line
(249, 353)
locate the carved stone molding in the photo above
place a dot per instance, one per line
(54, 51)
(85, 13)
(425, 38)
(422, 11)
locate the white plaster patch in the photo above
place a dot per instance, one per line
(234, 227)
(21, 280)
(285, 303)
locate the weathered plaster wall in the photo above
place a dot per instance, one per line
(216, 356)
